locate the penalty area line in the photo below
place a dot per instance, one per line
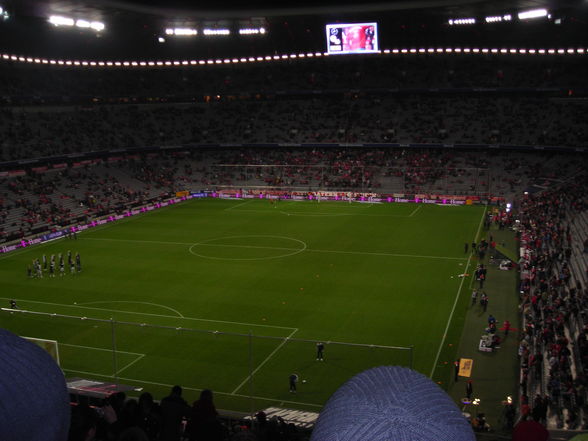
(264, 361)
(238, 205)
(415, 211)
(275, 400)
(147, 314)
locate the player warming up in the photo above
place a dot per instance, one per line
(293, 380)
(320, 351)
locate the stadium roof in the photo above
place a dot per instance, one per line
(210, 9)
(134, 28)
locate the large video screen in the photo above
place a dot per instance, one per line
(352, 38)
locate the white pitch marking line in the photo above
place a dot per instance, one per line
(255, 247)
(415, 211)
(264, 361)
(130, 364)
(314, 214)
(325, 214)
(138, 241)
(129, 301)
(150, 314)
(192, 388)
(50, 242)
(238, 205)
(367, 253)
(360, 253)
(99, 349)
(455, 301)
(25, 249)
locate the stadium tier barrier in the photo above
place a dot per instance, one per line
(341, 196)
(17, 167)
(244, 360)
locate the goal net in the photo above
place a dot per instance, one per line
(51, 346)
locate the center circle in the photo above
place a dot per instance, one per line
(247, 247)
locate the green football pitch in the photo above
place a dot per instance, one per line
(232, 295)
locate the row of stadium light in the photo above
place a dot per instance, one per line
(523, 15)
(58, 20)
(223, 31)
(498, 18)
(457, 50)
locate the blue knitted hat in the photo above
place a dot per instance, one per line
(34, 402)
(391, 403)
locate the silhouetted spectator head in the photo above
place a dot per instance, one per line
(206, 396)
(176, 390)
(34, 402)
(145, 401)
(83, 423)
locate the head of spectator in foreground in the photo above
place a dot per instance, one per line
(176, 391)
(391, 403)
(34, 402)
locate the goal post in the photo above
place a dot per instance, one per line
(51, 346)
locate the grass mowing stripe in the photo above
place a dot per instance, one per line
(456, 299)
(264, 361)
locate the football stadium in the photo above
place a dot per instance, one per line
(294, 221)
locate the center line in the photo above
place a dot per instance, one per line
(359, 253)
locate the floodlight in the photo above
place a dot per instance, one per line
(252, 31)
(532, 13)
(97, 26)
(181, 31)
(219, 31)
(498, 18)
(461, 21)
(187, 31)
(58, 20)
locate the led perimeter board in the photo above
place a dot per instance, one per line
(352, 38)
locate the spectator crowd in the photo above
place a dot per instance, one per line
(554, 300)
(120, 418)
